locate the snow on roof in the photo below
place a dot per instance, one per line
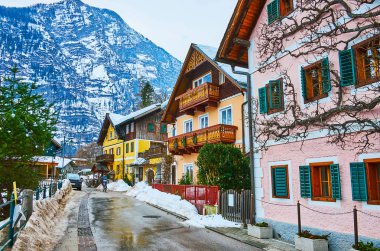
(211, 53)
(164, 104)
(139, 161)
(116, 118)
(50, 159)
(139, 113)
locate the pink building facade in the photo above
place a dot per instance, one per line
(328, 178)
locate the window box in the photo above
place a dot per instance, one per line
(260, 232)
(306, 244)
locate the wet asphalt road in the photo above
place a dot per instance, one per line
(119, 222)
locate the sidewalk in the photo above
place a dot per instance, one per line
(241, 235)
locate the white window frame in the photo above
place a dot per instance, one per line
(118, 151)
(184, 125)
(132, 129)
(127, 129)
(200, 120)
(111, 135)
(222, 78)
(199, 81)
(221, 114)
(185, 166)
(290, 186)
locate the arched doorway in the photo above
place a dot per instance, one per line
(150, 176)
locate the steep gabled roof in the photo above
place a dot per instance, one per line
(240, 27)
(209, 53)
(117, 120)
(106, 123)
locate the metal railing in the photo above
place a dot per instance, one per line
(44, 190)
(195, 194)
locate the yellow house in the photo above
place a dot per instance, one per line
(205, 106)
(123, 138)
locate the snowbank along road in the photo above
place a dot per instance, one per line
(120, 222)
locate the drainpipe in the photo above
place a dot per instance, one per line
(123, 158)
(251, 153)
(243, 125)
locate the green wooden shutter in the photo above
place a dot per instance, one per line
(150, 127)
(358, 181)
(273, 11)
(305, 182)
(275, 94)
(263, 100)
(163, 128)
(335, 181)
(326, 81)
(303, 83)
(279, 181)
(347, 67)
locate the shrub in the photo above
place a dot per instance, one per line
(261, 224)
(307, 234)
(185, 180)
(366, 246)
(223, 165)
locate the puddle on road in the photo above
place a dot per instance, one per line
(118, 222)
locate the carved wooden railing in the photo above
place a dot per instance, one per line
(207, 92)
(153, 152)
(105, 158)
(192, 141)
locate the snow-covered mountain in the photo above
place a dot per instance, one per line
(87, 60)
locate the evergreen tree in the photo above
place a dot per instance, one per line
(147, 94)
(26, 126)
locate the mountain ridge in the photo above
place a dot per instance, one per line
(86, 59)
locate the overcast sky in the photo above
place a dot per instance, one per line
(171, 24)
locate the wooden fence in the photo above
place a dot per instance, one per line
(235, 205)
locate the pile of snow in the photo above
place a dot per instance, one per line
(37, 234)
(118, 186)
(210, 221)
(174, 203)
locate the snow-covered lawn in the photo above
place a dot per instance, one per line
(174, 203)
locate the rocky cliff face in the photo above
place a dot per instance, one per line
(86, 60)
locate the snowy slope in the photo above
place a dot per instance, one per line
(87, 60)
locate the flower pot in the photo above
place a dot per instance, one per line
(307, 244)
(260, 232)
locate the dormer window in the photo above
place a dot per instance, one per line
(204, 79)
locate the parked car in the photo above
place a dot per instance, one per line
(75, 180)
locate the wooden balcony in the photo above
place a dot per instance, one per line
(104, 158)
(130, 136)
(191, 142)
(198, 98)
(153, 152)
